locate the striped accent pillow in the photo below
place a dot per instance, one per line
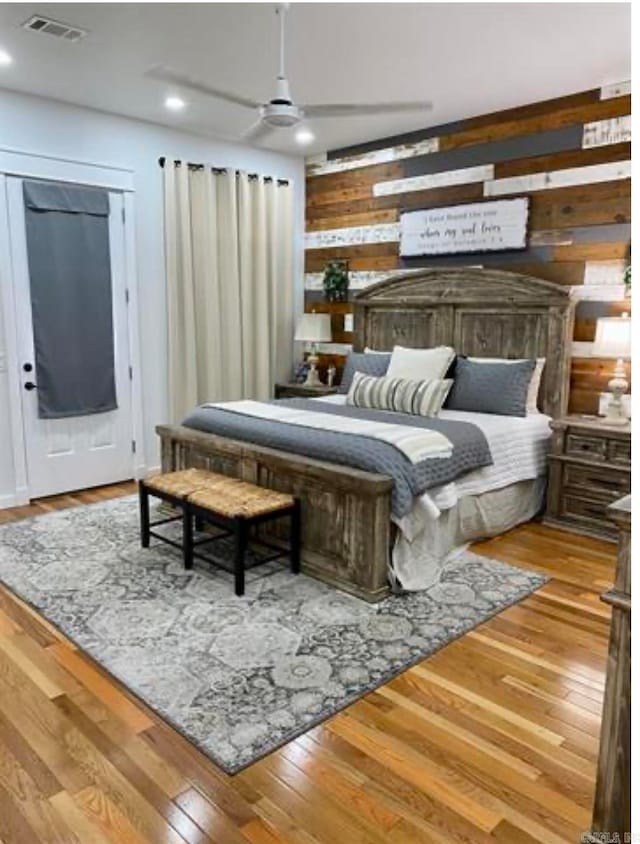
(419, 398)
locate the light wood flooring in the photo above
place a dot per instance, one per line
(493, 739)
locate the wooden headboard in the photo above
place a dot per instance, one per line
(482, 313)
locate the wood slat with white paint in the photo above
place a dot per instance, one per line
(599, 293)
(600, 133)
(466, 175)
(357, 280)
(352, 236)
(601, 273)
(322, 166)
(618, 89)
(570, 177)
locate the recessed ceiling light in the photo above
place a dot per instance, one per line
(174, 103)
(5, 58)
(304, 136)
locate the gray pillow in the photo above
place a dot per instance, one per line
(491, 387)
(373, 363)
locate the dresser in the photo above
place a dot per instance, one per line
(589, 468)
(612, 804)
(295, 390)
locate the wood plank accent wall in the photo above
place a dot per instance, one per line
(571, 156)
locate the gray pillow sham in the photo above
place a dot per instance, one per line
(499, 388)
(373, 363)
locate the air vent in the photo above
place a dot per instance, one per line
(59, 30)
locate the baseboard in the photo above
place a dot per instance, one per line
(7, 501)
(143, 471)
(150, 471)
(16, 499)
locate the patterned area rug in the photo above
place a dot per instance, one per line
(237, 676)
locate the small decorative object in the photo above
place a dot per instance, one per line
(313, 328)
(626, 278)
(336, 281)
(300, 372)
(331, 374)
(613, 340)
(494, 226)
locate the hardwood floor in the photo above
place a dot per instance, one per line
(493, 739)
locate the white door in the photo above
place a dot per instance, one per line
(83, 451)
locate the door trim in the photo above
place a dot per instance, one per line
(26, 165)
(21, 490)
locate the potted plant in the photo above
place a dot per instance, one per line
(336, 281)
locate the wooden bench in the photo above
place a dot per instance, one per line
(232, 505)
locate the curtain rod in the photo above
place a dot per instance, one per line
(219, 170)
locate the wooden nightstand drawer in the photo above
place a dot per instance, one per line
(578, 444)
(588, 512)
(589, 468)
(596, 481)
(619, 451)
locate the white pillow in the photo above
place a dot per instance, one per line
(420, 364)
(369, 351)
(534, 384)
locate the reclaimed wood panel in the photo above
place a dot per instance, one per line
(492, 739)
(569, 155)
(577, 115)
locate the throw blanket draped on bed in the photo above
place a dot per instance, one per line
(469, 447)
(415, 443)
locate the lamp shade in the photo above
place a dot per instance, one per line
(314, 328)
(613, 337)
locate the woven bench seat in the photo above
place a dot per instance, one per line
(229, 503)
(180, 484)
(230, 497)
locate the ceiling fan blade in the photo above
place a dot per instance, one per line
(257, 132)
(167, 74)
(353, 110)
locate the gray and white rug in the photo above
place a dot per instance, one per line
(237, 676)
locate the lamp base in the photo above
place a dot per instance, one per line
(313, 379)
(618, 385)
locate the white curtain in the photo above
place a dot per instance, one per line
(229, 262)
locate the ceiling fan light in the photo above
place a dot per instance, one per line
(174, 103)
(278, 114)
(304, 136)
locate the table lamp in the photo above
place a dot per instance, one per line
(313, 328)
(613, 340)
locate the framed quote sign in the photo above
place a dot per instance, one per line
(478, 227)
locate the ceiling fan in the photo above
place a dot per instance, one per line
(281, 111)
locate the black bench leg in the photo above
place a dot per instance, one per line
(241, 533)
(295, 537)
(199, 524)
(143, 497)
(187, 536)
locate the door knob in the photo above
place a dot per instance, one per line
(30, 386)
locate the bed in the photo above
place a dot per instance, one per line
(352, 535)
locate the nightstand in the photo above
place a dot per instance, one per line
(295, 390)
(589, 468)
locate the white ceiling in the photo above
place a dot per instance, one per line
(467, 58)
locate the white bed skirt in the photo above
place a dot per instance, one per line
(417, 562)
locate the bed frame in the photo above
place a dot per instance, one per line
(347, 530)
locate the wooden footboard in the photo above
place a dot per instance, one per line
(346, 527)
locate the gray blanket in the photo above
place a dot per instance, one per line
(470, 448)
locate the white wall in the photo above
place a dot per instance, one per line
(40, 126)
